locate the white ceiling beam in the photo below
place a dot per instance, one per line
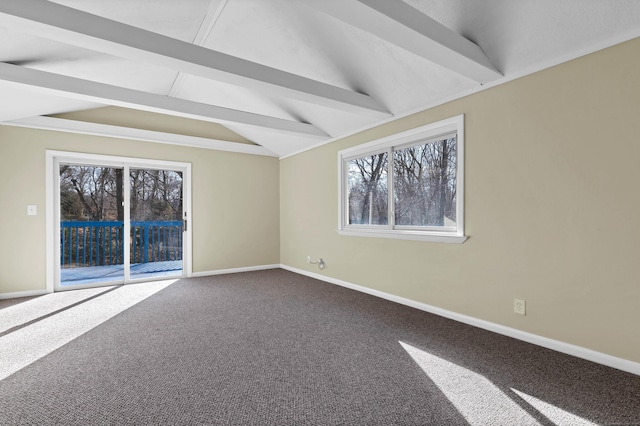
(53, 21)
(408, 28)
(75, 88)
(122, 132)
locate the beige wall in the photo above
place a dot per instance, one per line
(551, 201)
(552, 204)
(235, 202)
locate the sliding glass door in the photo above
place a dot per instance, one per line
(118, 223)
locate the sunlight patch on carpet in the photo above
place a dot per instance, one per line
(553, 413)
(480, 401)
(22, 313)
(26, 345)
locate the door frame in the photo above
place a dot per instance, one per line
(52, 173)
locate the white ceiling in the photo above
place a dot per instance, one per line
(285, 74)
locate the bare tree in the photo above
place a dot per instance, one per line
(425, 184)
(90, 193)
(368, 190)
(156, 194)
(97, 193)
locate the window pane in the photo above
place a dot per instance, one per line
(425, 184)
(367, 186)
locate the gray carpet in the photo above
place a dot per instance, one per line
(277, 348)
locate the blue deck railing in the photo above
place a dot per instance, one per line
(95, 243)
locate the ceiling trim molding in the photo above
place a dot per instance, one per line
(400, 24)
(121, 132)
(75, 88)
(53, 21)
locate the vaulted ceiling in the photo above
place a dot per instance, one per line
(276, 77)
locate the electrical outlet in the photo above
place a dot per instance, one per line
(519, 306)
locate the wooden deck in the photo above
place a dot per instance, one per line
(96, 274)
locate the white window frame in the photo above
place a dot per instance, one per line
(388, 144)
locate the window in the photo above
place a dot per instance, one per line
(409, 185)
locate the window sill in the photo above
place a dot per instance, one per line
(405, 235)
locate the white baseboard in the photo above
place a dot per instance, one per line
(234, 270)
(18, 294)
(556, 345)
(194, 274)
